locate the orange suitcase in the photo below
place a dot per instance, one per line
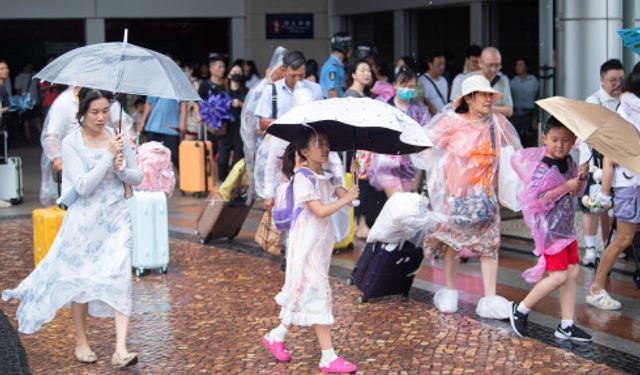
(46, 223)
(196, 166)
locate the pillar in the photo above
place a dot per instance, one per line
(238, 39)
(587, 36)
(94, 31)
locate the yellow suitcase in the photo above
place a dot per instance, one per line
(195, 164)
(347, 243)
(46, 223)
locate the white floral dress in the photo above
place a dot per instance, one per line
(89, 261)
(305, 297)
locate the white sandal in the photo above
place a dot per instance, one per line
(603, 301)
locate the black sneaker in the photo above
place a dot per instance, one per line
(572, 333)
(518, 320)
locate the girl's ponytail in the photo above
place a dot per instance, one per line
(289, 160)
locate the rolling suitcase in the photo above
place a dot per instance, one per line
(46, 223)
(150, 231)
(11, 189)
(220, 218)
(380, 272)
(196, 166)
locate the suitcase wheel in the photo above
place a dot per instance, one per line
(361, 299)
(636, 278)
(163, 269)
(139, 271)
(182, 193)
(349, 280)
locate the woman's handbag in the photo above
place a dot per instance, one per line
(267, 237)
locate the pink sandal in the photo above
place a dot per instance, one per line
(277, 349)
(339, 365)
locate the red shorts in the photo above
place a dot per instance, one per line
(561, 260)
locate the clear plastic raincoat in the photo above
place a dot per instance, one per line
(249, 126)
(462, 171)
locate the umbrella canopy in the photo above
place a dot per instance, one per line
(602, 129)
(120, 67)
(355, 123)
(631, 38)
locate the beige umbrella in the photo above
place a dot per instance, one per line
(602, 129)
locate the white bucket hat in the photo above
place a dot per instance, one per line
(473, 84)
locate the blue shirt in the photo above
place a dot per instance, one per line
(264, 108)
(164, 116)
(524, 92)
(332, 76)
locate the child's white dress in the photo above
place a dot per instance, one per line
(305, 297)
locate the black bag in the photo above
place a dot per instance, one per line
(380, 273)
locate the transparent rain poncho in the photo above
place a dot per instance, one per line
(249, 126)
(547, 205)
(396, 172)
(462, 171)
(60, 121)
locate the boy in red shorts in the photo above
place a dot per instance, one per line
(552, 181)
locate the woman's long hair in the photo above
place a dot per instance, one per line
(289, 157)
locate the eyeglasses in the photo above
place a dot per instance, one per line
(493, 66)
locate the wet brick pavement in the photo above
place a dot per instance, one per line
(208, 313)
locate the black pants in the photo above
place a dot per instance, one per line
(172, 142)
(230, 142)
(371, 202)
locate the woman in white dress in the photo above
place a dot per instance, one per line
(88, 267)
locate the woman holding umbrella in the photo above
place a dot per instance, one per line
(462, 170)
(88, 266)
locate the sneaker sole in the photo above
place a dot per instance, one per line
(562, 336)
(513, 325)
(593, 304)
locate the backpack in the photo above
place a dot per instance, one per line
(283, 211)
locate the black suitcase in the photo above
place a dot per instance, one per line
(380, 273)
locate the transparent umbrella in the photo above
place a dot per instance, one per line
(120, 67)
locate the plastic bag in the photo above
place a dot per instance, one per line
(154, 160)
(509, 184)
(405, 216)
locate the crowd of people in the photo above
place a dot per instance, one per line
(469, 118)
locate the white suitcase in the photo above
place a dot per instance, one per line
(11, 188)
(150, 231)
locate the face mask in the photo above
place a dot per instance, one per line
(406, 94)
(238, 78)
(396, 71)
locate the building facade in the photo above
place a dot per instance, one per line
(566, 40)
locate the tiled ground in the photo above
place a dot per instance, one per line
(207, 314)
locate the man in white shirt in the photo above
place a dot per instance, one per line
(490, 64)
(61, 120)
(471, 64)
(268, 109)
(436, 87)
(608, 96)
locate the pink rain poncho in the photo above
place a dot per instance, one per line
(395, 172)
(547, 205)
(462, 170)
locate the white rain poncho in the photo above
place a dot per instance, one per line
(249, 124)
(462, 179)
(60, 121)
